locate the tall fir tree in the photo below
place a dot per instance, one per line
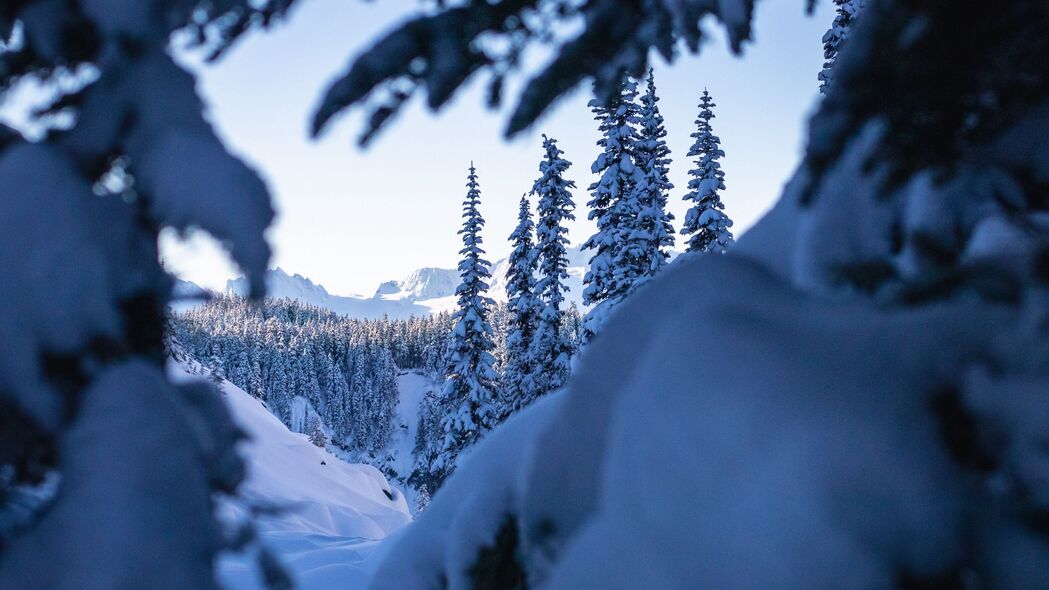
(551, 351)
(524, 307)
(706, 219)
(835, 37)
(611, 204)
(648, 247)
(467, 401)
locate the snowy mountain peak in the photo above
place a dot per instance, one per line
(425, 290)
(280, 284)
(423, 283)
(388, 288)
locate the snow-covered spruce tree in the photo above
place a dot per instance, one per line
(550, 349)
(647, 247)
(316, 435)
(83, 393)
(428, 438)
(835, 37)
(468, 397)
(706, 219)
(518, 386)
(612, 205)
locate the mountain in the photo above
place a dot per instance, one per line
(577, 265)
(279, 284)
(187, 295)
(421, 284)
(424, 291)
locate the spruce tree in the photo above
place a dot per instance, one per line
(316, 435)
(648, 246)
(706, 219)
(467, 398)
(835, 37)
(518, 385)
(550, 350)
(216, 363)
(611, 204)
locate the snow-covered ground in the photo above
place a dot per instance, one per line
(334, 515)
(412, 387)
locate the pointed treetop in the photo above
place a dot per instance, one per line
(549, 349)
(706, 219)
(647, 250)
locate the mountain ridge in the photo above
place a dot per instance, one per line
(425, 290)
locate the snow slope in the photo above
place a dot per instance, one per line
(412, 387)
(334, 512)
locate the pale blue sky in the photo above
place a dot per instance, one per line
(349, 218)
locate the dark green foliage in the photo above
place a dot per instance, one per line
(937, 114)
(440, 51)
(498, 566)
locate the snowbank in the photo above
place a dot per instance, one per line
(757, 437)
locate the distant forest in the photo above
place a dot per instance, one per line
(308, 363)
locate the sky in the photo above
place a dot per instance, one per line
(350, 218)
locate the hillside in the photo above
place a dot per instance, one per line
(334, 512)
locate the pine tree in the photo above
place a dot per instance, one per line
(706, 219)
(648, 246)
(468, 396)
(835, 37)
(524, 308)
(255, 375)
(316, 435)
(387, 398)
(550, 351)
(216, 363)
(611, 204)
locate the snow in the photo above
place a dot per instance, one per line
(178, 159)
(76, 270)
(334, 512)
(114, 496)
